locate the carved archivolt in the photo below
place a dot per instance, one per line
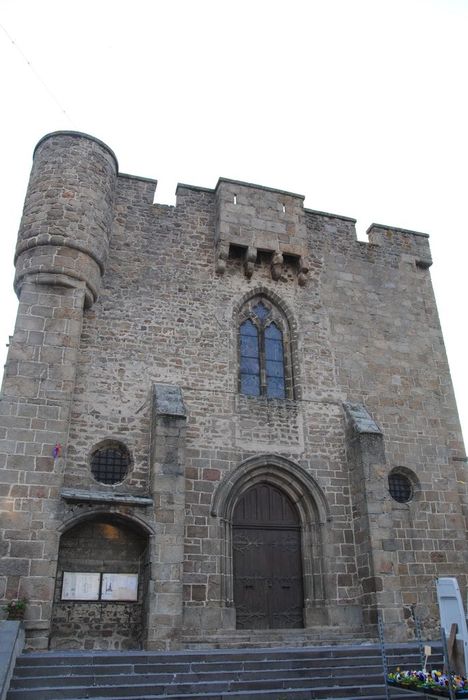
(311, 505)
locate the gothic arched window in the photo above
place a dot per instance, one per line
(263, 351)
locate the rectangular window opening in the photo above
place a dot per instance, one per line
(291, 260)
(264, 257)
(236, 252)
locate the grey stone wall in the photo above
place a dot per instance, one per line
(35, 408)
(363, 330)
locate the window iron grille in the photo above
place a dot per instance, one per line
(400, 487)
(110, 464)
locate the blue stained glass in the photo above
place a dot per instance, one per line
(272, 331)
(261, 311)
(249, 365)
(275, 388)
(248, 346)
(250, 384)
(273, 350)
(249, 359)
(274, 369)
(248, 328)
(253, 364)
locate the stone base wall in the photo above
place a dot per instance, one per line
(113, 626)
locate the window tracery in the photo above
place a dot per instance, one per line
(264, 356)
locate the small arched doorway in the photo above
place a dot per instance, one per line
(101, 584)
(267, 560)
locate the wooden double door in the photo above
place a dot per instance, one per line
(267, 560)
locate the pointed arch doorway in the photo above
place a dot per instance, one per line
(267, 560)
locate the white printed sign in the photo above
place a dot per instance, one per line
(80, 585)
(119, 587)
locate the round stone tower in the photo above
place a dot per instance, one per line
(64, 234)
(62, 247)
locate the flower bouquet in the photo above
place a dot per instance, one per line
(430, 682)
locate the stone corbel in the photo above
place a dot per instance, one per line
(249, 261)
(276, 265)
(222, 255)
(303, 271)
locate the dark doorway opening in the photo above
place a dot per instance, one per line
(267, 560)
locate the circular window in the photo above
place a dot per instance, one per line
(400, 487)
(110, 463)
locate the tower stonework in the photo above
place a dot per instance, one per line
(223, 416)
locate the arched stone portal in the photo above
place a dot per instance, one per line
(101, 583)
(292, 487)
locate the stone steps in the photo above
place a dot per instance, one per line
(352, 671)
(245, 639)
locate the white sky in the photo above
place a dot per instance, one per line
(360, 105)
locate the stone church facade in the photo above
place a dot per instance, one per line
(228, 415)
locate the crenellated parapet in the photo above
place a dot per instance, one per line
(412, 244)
(67, 217)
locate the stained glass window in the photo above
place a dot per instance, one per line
(274, 362)
(262, 363)
(249, 359)
(261, 311)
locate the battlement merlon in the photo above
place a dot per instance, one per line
(412, 244)
(133, 189)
